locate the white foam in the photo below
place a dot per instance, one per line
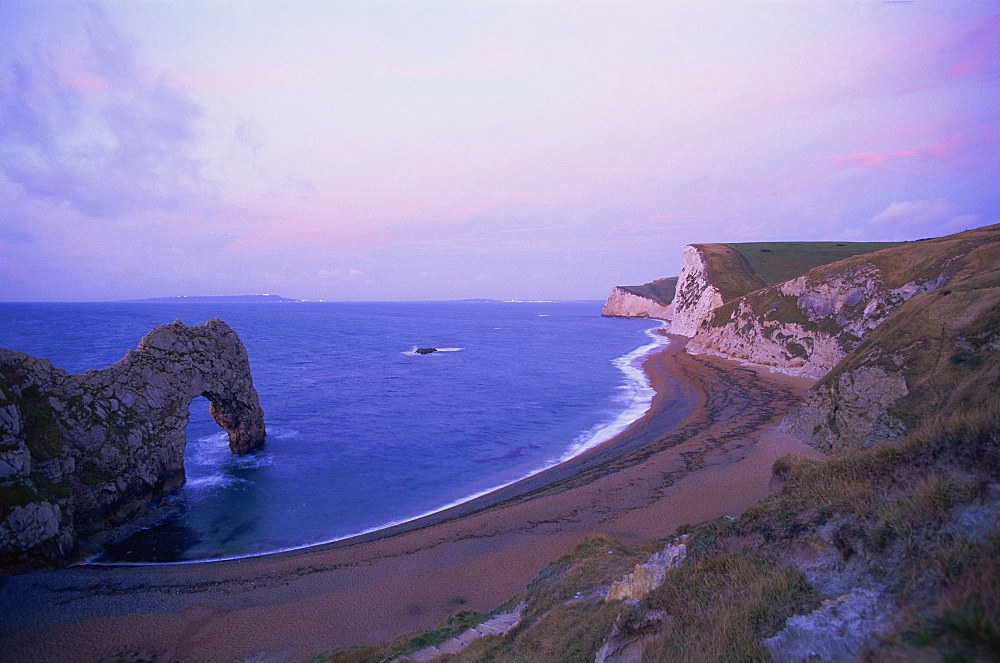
(414, 353)
(253, 461)
(636, 394)
(212, 481)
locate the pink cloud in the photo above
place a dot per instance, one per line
(941, 149)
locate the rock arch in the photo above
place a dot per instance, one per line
(81, 454)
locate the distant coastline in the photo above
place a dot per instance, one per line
(267, 299)
(211, 299)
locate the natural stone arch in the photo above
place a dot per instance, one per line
(80, 453)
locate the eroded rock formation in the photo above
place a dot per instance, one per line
(82, 453)
(650, 300)
(647, 577)
(807, 325)
(711, 275)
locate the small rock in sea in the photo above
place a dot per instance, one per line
(426, 351)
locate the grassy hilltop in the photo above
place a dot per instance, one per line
(661, 290)
(738, 269)
(776, 262)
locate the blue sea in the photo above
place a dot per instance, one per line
(362, 431)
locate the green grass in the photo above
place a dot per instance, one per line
(777, 262)
(730, 272)
(15, 494)
(41, 427)
(661, 290)
(721, 607)
(963, 624)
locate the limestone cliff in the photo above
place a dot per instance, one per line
(650, 300)
(81, 453)
(807, 325)
(711, 275)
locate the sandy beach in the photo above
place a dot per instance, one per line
(704, 449)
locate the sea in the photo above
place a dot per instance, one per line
(363, 432)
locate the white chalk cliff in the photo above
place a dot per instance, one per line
(625, 304)
(650, 300)
(815, 325)
(696, 296)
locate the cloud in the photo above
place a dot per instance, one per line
(917, 219)
(944, 150)
(86, 125)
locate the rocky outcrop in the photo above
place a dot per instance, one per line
(838, 631)
(624, 304)
(82, 453)
(628, 645)
(711, 275)
(650, 300)
(631, 645)
(807, 325)
(647, 577)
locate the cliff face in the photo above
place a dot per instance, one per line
(624, 304)
(650, 300)
(80, 453)
(807, 325)
(816, 324)
(711, 275)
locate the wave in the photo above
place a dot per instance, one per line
(210, 455)
(211, 482)
(636, 395)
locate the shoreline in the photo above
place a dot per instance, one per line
(703, 449)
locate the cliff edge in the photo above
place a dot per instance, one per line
(650, 300)
(83, 453)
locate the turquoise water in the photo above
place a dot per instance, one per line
(362, 431)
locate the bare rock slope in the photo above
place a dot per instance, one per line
(82, 453)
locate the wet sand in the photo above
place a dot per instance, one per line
(704, 449)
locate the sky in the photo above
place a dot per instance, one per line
(451, 150)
